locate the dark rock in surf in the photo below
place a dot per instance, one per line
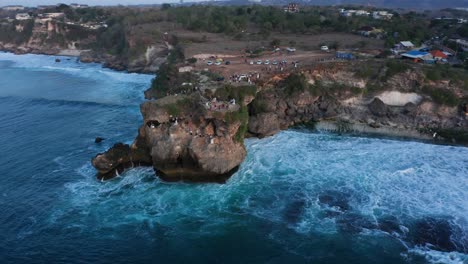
(354, 223)
(294, 211)
(334, 199)
(378, 108)
(390, 224)
(98, 140)
(438, 234)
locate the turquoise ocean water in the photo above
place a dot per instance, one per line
(300, 196)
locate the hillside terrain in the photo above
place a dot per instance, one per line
(225, 73)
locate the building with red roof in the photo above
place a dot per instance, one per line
(438, 55)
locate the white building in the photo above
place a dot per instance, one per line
(78, 6)
(53, 15)
(13, 8)
(462, 44)
(382, 15)
(186, 69)
(405, 45)
(350, 13)
(362, 13)
(23, 16)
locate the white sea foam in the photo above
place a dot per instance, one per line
(378, 177)
(437, 257)
(75, 81)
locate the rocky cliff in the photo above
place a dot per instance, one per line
(199, 136)
(51, 37)
(183, 139)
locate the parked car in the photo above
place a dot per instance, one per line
(275, 62)
(218, 63)
(227, 63)
(251, 62)
(209, 63)
(259, 62)
(324, 48)
(267, 62)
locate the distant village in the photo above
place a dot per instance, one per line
(429, 51)
(40, 15)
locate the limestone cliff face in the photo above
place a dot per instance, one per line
(57, 38)
(183, 141)
(273, 110)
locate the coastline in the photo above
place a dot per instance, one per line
(84, 56)
(356, 128)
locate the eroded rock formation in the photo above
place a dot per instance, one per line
(183, 140)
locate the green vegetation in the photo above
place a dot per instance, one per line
(169, 80)
(9, 32)
(367, 71)
(184, 106)
(242, 116)
(395, 67)
(455, 135)
(238, 93)
(258, 105)
(295, 83)
(192, 60)
(442, 96)
(445, 72)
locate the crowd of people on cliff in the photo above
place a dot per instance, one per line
(215, 105)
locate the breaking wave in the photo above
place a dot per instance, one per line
(299, 197)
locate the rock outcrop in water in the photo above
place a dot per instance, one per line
(185, 138)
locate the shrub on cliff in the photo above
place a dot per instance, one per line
(295, 83)
(445, 72)
(442, 96)
(238, 93)
(393, 68)
(258, 105)
(242, 116)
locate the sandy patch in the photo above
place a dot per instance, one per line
(205, 56)
(395, 98)
(70, 52)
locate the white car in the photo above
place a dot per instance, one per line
(267, 62)
(251, 62)
(259, 62)
(218, 63)
(324, 48)
(275, 62)
(209, 63)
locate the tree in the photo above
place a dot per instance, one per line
(165, 6)
(335, 45)
(275, 42)
(463, 31)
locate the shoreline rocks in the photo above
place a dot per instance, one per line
(185, 141)
(194, 145)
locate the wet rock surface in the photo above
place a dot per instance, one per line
(185, 140)
(295, 210)
(354, 223)
(335, 200)
(440, 234)
(190, 144)
(378, 108)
